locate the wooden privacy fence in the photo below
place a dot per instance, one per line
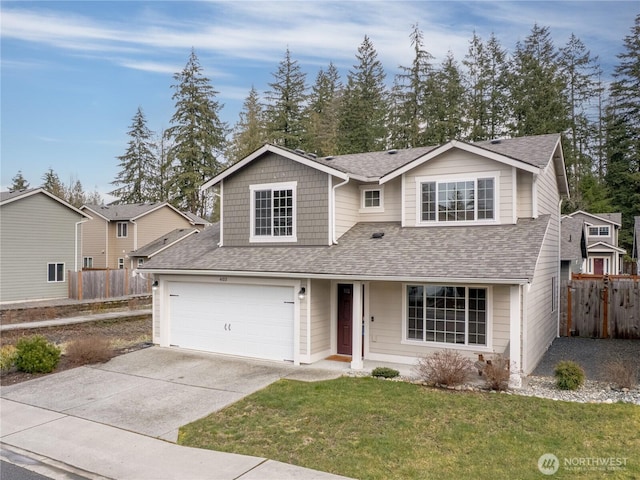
(92, 284)
(601, 306)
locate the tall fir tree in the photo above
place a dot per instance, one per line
(448, 104)
(412, 90)
(51, 182)
(623, 136)
(285, 104)
(363, 112)
(162, 188)
(198, 138)
(75, 193)
(18, 182)
(581, 73)
(537, 88)
(138, 165)
(249, 133)
(321, 116)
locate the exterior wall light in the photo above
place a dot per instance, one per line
(154, 286)
(302, 293)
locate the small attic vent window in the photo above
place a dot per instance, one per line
(330, 157)
(377, 235)
(392, 151)
(496, 141)
(299, 150)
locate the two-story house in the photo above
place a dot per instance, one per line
(116, 232)
(381, 256)
(604, 257)
(40, 238)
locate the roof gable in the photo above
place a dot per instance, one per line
(9, 197)
(612, 218)
(130, 211)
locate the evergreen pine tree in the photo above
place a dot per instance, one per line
(51, 183)
(138, 165)
(321, 116)
(75, 193)
(198, 138)
(623, 136)
(537, 89)
(448, 105)
(285, 104)
(18, 182)
(249, 133)
(363, 113)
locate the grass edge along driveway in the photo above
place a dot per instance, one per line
(374, 429)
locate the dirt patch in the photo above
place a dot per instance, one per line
(126, 336)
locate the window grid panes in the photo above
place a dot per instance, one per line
(447, 314)
(464, 200)
(371, 198)
(122, 229)
(263, 212)
(283, 213)
(599, 231)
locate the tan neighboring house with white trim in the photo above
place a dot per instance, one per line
(117, 230)
(380, 256)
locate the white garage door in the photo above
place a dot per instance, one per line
(247, 320)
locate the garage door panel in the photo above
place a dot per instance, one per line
(248, 320)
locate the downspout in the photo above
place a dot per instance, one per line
(559, 265)
(135, 241)
(221, 220)
(75, 265)
(333, 209)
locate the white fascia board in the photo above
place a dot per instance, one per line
(351, 278)
(563, 181)
(48, 194)
(462, 146)
(279, 151)
(595, 216)
(604, 247)
(95, 213)
(158, 207)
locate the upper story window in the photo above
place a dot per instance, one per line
(372, 199)
(87, 262)
(273, 212)
(465, 199)
(599, 231)
(122, 229)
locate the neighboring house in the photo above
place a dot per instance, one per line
(140, 256)
(40, 237)
(635, 252)
(604, 257)
(383, 256)
(197, 221)
(117, 230)
(573, 246)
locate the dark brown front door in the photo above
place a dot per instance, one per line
(345, 318)
(598, 266)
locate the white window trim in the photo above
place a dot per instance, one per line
(120, 263)
(598, 234)
(495, 175)
(86, 260)
(370, 188)
(126, 224)
(140, 262)
(64, 269)
(271, 238)
(451, 346)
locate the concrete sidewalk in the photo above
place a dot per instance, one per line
(90, 317)
(93, 450)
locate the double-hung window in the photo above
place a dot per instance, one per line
(55, 272)
(273, 212)
(122, 229)
(468, 199)
(599, 231)
(447, 314)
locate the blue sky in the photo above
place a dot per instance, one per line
(74, 73)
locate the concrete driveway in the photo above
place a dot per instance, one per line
(156, 390)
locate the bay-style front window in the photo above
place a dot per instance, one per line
(456, 200)
(446, 314)
(273, 212)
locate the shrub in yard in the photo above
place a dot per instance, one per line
(447, 367)
(87, 350)
(496, 373)
(385, 372)
(36, 355)
(7, 357)
(622, 374)
(569, 375)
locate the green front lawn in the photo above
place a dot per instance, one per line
(373, 429)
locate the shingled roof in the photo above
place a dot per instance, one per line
(572, 243)
(439, 253)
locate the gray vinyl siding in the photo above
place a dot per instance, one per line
(541, 323)
(524, 181)
(312, 201)
(347, 203)
(34, 231)
(320, 330)
(590, 221)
